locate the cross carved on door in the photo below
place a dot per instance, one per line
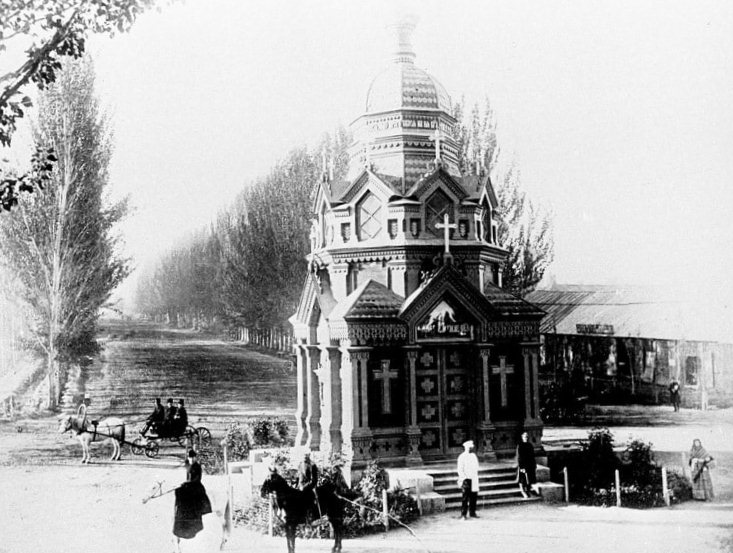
(386, 376)
(503, 370)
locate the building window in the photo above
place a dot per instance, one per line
(415, 227)
(438, 205)
(369, 212)
(392, 227)
(345, 232)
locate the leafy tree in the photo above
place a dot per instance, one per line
(60, 244)
(56, 29)
(525, 229)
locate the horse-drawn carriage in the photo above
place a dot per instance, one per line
(188, 436)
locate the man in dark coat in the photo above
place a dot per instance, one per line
(191, 502)
(526, 466)
(180, 419)
(674, 394)
(170, 414)
(307, 482)
(155, 419)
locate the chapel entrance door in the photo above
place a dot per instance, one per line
(443, 412)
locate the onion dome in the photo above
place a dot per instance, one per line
(403, 84)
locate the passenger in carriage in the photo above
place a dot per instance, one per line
(166, 427)
(180, 419)
(156, 418)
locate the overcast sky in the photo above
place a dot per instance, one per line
(618, 113)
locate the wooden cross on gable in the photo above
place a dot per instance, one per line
(386, 376)
(446, 225)
(503, 370)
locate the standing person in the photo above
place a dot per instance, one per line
(468, 480)
(170, 413)
(526, 466)
(674, 394)
(700, 464)
(191, 503)
(155, 418)
(180, 419)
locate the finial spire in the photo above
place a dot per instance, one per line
(403, 29)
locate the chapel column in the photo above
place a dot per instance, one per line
(412, 432)
(313, 398)
(526, 355)
(355, 422)
(486, 427)
(329, 375)
(301, 409)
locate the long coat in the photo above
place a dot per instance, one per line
(191, 504)
(526, 462)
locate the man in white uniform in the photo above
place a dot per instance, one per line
(468, 479)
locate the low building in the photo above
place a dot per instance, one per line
(628, 344)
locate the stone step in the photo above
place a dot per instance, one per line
(485, 495)
(451, 487)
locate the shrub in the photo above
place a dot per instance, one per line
(238, 445)
(266, 431)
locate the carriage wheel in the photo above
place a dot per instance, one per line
(138, 446)
(186, 439)
(203, 436)
(151, 450)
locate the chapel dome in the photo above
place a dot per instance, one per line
(403, 84)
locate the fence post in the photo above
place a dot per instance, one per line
(385, 510)
(618, 489)
(417, 498)
(270, 518)
(230, 494)
(665, 488)
(567, 484)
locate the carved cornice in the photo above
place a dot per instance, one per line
(378, 333)
(506, 329)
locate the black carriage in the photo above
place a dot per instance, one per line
(189, 437)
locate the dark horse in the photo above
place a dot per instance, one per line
(297, 505)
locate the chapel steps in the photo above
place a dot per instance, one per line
(497, 486)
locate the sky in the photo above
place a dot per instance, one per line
(618, 114)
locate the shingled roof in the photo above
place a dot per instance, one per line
(371, 300)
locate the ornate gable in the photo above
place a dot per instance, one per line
(439, 177)
(367, 179)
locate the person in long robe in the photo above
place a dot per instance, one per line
(191, 503)
(700, 464)
(526, 466)
(468, 480)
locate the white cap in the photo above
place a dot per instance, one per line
(468, 443)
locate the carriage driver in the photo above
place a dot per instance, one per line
(156, 418)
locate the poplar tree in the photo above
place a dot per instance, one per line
(525, 229)
(60, 242)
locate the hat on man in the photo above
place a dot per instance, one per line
(180, 402)
(468, 443)
(169, 400)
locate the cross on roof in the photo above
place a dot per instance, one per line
(503, 370)
(446, 225)
(386, 376)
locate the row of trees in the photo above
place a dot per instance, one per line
(58, 244)
(242, 269)
(246, 269)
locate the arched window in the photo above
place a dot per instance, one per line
(370, 213)
(437, 205)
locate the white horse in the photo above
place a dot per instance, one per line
(110, 430)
